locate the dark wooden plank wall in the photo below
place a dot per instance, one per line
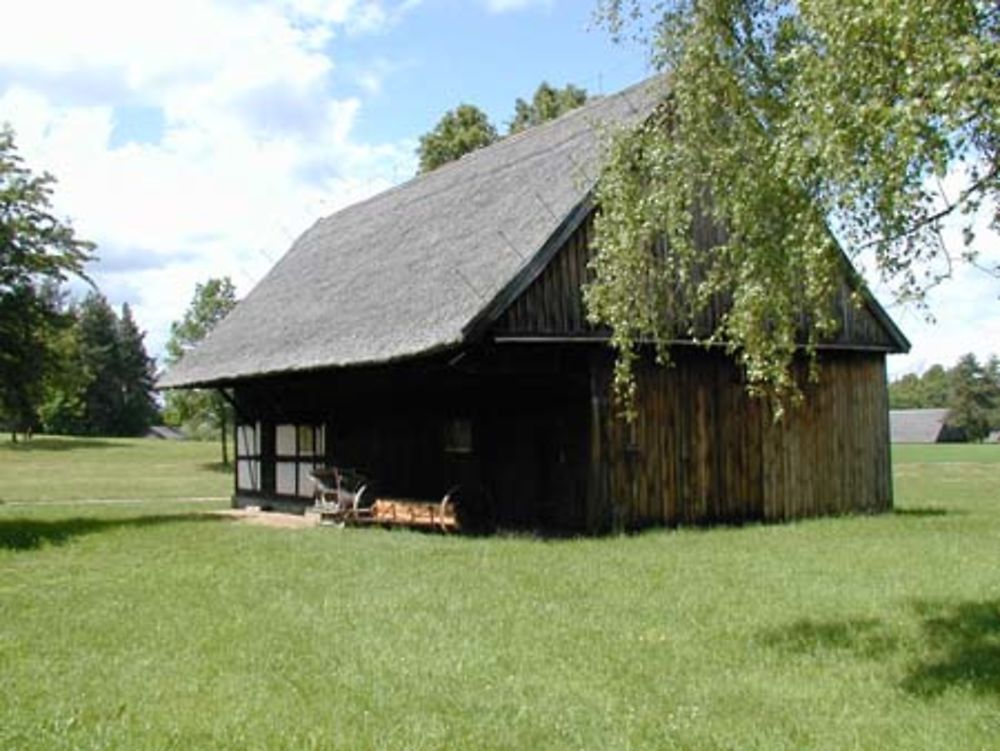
(702, 451)
(552, 305)
(832, 456)
(858, 323)
(528, 409)
(553, 453)
(388, 433)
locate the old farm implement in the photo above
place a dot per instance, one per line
(343, 497)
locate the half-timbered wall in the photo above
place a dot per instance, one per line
(511, 424)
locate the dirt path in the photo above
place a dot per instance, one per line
(244, 516)
(269, 518)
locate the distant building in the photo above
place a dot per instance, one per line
(923, 426)
(165, 433)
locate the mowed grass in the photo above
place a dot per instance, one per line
(151, 626)
(53, 468)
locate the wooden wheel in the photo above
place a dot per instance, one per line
(447, 509)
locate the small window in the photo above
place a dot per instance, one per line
(307, 440)
(248, 457)
(285, 443)
(458, 436)
(248, 474)
(248, 440)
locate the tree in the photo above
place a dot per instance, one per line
(37, 253)
(199, 408)
(936, 386)
(102, 395)
(136, 371)
(973, 399)
(117, 381)
(991, 371)
(905, 393)
(461, 130)
(27, 323)
(63, 409)
(798, 127)
(467, 128)
(547, 104)
(932, 389)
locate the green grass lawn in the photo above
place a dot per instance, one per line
(135, 626)
(50, 468)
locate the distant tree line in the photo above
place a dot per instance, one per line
(467, 128)
(103, 380)
(970, 391)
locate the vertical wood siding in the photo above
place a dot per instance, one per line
(701, 451)
(552, 453)
(552, 305)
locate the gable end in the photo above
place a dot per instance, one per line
(545, 301)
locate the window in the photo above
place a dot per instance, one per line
(298, 450)
(248, 457)
(458, 436)
(307, 440)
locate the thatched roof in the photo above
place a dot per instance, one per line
(406, 272)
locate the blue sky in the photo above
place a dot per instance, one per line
(199, 137)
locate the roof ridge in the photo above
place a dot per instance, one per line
(404, 271)
(506, 141)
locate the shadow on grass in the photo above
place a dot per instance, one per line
(56, 444)
(219, 467)
(957, 644)
(928, 511)
(966, 641)
(30, 534)
(863, 637)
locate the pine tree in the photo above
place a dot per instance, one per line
(104, 395)
(136, 372)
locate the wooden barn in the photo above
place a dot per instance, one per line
(435, 335)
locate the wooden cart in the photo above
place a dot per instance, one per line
(342, 496)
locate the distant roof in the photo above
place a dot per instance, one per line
(165, 432)
(916, 425)
(407, 271)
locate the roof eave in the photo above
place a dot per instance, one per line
(231, 380)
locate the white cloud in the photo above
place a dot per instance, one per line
(966, 318)
(255, 145)
(505, 6)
